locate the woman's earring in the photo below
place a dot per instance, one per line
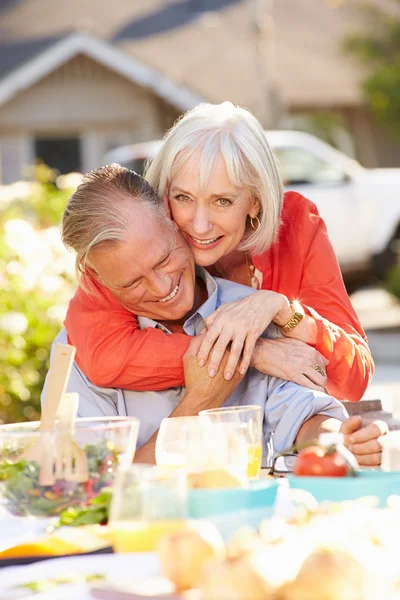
(257, 223)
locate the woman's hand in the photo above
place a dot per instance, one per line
(291, 360)
(240, 324)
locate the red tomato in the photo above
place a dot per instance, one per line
(315, 461)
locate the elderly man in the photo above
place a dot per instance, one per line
(124, 239)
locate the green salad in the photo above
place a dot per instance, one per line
(24, 495)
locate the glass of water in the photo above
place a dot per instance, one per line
(177, 440)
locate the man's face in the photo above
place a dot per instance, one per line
(151, 272)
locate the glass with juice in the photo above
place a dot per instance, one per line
(148, 501)
(250, 419)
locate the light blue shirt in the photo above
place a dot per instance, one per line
(286, 405)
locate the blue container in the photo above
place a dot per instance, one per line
(206, 503)
(228, 523)
(337, 489)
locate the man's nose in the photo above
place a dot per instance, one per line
(161, 284)
(201, 221)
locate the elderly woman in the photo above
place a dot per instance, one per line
(224, 189)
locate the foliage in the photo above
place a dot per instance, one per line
(36, 281)
(378, 48)
(393, 280)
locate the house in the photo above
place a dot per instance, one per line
(78, 78)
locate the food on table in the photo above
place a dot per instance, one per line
(46, 585)
(236, 577)
(24, 495)
(338, 551)
(184, 553)
(327, 574)
(318, 461)
(66, 541)
(95, 512)
(215, 478)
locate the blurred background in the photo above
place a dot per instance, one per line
(87, 82)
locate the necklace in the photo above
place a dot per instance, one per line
(253, 281)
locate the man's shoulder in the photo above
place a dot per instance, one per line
(229, 291)
(61, 338)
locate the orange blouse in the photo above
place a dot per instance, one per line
(113, 352)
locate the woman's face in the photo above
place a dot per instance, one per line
(213, 220)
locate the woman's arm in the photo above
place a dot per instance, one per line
(113, 352)
(339, 336)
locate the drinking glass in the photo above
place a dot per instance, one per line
(176, 439)
(148, 501)
(249, 418)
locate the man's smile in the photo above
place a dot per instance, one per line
(171, 295)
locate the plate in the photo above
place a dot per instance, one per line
(27, 560)
(114, 567)
(337, 489)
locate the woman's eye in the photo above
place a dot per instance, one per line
(224, 202)
(182, 198)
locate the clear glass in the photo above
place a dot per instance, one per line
(175, 440)
(202, 445)
(250, 418)
(148, 501)
(106, 442)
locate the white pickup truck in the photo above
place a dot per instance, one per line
(361, 207)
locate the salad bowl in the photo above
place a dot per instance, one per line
(105, 440)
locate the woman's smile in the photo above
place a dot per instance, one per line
(203, 244)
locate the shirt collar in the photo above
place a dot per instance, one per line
(194, 324)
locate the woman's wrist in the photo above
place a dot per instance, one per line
(301, 326)
(306, 330)
(284, 311)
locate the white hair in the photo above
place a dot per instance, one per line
(235, 134)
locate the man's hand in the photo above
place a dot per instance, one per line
(205, 391)
(363, 442)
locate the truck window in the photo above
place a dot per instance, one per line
(302, 166)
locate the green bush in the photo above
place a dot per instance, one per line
(393, 280)
(36, 281)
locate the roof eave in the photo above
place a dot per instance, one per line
(34, 69)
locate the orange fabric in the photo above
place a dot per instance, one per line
(113, 352)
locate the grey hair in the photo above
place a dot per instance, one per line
(101, 210)
(235, 134)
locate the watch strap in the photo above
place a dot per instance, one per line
(295, 319)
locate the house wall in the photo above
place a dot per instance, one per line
(82, 98)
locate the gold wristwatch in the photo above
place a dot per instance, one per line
(295, 319)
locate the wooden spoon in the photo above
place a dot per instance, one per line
(71, 459)
(41, 451)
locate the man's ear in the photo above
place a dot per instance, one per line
(166, 203)
(90, 272)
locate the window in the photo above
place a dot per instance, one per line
(301, 166)
(63, 154)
